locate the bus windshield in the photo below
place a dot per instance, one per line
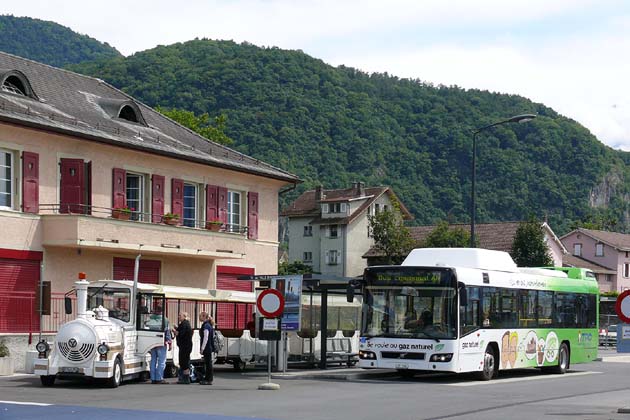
(409, 312)
(116, 301)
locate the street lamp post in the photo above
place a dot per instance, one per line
(516, 119)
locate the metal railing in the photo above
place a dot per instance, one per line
(139, 217)
(15, 306)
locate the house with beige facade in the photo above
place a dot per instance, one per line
(329, 229)
(606, 253)
(89, 178)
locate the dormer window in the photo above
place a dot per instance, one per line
(14, 85)
(128, 113)
(123, 109)
(15, 82)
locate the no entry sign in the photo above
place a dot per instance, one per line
(270, 303)
(622, 307)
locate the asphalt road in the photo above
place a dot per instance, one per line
(589, 391)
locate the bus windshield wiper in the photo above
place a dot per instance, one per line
(429, 335)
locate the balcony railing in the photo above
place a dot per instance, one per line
(139, 217)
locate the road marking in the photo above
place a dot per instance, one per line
(526, 378)
(24, 403)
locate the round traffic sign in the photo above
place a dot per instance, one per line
(270, 303)
(622, 306)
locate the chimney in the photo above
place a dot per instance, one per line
(359, 188)
(318, 193)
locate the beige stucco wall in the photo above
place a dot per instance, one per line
(57, 235)
(358, 244)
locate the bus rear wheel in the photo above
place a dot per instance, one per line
(489, 365)
(563, 360)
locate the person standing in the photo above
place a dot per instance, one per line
(206, 348)
(158, 354)
(184, 333)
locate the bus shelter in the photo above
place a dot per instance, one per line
(324, 310)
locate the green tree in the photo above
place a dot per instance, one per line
(529, 248)
(445, 237)
(296, 267)
(390, 235)
(200, 124)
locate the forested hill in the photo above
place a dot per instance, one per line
(49, 42)
(337, 125)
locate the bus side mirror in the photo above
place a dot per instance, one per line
(463, 296)
(350, 293)
(67, 302)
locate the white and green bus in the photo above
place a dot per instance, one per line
(473, 310)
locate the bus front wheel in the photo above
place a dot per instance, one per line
(489, 365)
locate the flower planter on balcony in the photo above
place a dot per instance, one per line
(171, 222)
(214, 227)
(121, 215)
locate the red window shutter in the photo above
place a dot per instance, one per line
(19, 280)
(212, 202)
(88, 188)
(119, 188)
(148, 271)
(252, 215)
(157, 198)
(222, 203)
(72, 186)
(233, 315)
(30, 182)
(177, 198)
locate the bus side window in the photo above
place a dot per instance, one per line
(470, 314)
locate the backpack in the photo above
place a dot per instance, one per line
(217, 341)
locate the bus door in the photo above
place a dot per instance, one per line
(151, 322)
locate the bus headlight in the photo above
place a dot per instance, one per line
(42, 349)
(441, 357)
(367, 355)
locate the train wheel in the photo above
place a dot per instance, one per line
(47, 380)
(116, 379)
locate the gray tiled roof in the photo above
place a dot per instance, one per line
(81, 106)
(620, 241)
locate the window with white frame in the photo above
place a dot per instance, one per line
(234, 211)
(332, 257)
(626, 270)
(135, 192)
(599, 250)
(333, 231)
(377, 208)
(307, 256)
(325, 208)
(7, 173)
(337, 208)
(308, 230)
(577, 249)
(191, 204)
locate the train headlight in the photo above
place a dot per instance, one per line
(42, 347)
(102, 349)
(441, 357)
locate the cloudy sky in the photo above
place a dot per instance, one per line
(571, 55)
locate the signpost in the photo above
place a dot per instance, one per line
(270, 304)
(622, 308)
